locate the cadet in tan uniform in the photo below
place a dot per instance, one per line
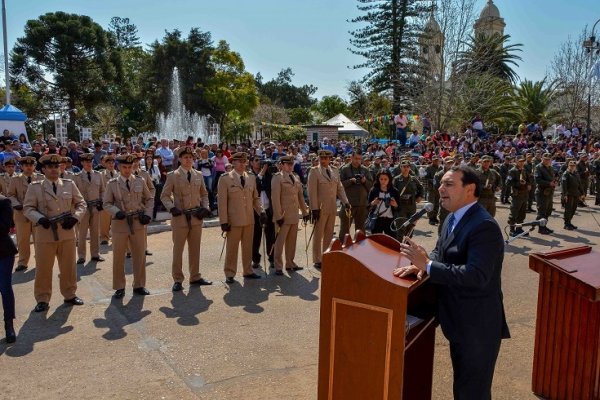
(186, 198)
(324, 186)
(128, 199)
(9, 167)
(64, 174)
(237, 201)
(90, 184)
(16, 193)
(107, 173)
(287, 198)
(45, 201)
(137, 171)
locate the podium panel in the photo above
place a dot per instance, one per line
(567, 335)
(365, 349)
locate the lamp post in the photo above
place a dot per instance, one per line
(592, 46)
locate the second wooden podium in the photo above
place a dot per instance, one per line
(366, 348)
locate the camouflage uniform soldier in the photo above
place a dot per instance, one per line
(520, 180)
(504, 169)
(545, 183)
(357, 182)
(411, 192)
(490, 182)
(433, 196)
(583, 169)
(597, 172)
(437, 180)
(529, 166)
(572, 191)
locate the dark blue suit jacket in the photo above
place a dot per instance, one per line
(466, 267)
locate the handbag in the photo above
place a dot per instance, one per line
(372, 218)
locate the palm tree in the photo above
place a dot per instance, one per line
(535, 99)
(489, 54)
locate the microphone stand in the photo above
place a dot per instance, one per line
(512, 238)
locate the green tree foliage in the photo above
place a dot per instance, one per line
(535, 101)
(388, 42)
(330, 106)
(282, 92)
(107, 121)
(67, 58)
(491, 55)
(124, 32)
(364, 105)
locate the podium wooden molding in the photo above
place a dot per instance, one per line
(566, 362)
(365, 351)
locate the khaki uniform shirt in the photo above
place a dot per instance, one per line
(147, 180)
(287, 198)
(106, 176)
(118, 198)
(40, 201)
(93, 190)
(5, 183)
(236, 203)
(183, 194)
(18, 187)
(323, 188)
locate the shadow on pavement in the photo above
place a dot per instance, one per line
(23, 277)
(248, 296)
(117, 316)
(39, 328)
(186, 307)
(87, 269)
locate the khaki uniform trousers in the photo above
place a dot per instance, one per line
(45, 254)
(237, 234)
(287, 236)
(192, 237)
(105, 219)
(24, 228)
(137, 242)
(323, 236)
(89, 221)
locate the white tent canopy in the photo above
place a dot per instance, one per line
(346, 127)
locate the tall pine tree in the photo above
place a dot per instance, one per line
(388, 41)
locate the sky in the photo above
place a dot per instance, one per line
(309, 36)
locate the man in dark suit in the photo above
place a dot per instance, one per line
(465, 266)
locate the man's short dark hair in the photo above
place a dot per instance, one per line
(468, 176)
(357, 153)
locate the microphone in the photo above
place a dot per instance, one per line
(539, 222)
(428, 207)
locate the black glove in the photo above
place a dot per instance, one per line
(347, 206)
(145, 219)
(280, 222)
(225, 227)
(19, 207)
(262, 218)
(176, 212)
(315, 215)
(69, 222)
(202, 213)
(45, 222)
(120, 215)
(99, 207)
(306, 218)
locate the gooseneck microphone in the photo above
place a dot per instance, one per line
(539, 222)
(427, 207)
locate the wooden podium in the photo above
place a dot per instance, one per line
(365, 351)
(566, 361)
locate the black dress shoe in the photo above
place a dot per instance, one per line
(569, 227)
(104, 243)
(256, 265)
(21, 268)
(278, 272)
(142, 291)
(98, 259)
(11, 336)
(41, 306)
(201, 282)
(317, 265)
(128, 255)
(229, 279)
(148, 253)
(252, 276)
(298, 268)
(177, 287)
(271, 264)
(119, 294)
(75, 301)
(80, 261)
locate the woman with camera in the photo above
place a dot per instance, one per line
(383, 199)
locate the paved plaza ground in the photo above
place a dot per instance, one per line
(251, 340)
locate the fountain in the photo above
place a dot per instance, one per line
(178, 123)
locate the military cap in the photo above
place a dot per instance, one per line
(405, 163)
(86, 157)
(180, 151)
(108, 157)
(509, 158)
(66, 160)
(487, 158)
(547, 156)
(520, 158)
(240, 156)
(126, 158)
(51, 159)
(448, 159)
(286, 159)
(27, 160)
(325, 153)
(10, 161)
(434, 158)
(582, 154)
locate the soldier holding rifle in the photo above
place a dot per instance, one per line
(55, 205)
(128, 199)
(186, 198)
(107, 173)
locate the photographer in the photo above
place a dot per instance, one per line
(357, 182)
(263, 171)
(383, 199)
